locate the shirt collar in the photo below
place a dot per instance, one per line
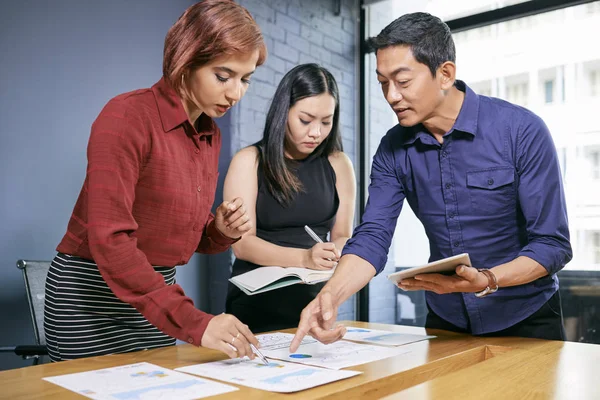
(171, 111)
(469, 112)
(465, 122)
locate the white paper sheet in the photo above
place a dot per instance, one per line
(278, 376)
(341, 354)
(139, 381)
(386, 338)
(280, 340)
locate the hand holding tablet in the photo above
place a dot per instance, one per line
(443, 266)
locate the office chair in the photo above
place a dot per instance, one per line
(34, 275)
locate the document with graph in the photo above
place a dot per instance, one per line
(139, 381)
(341, 354)
(278, 376)
(385, 338)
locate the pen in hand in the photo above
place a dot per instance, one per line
(259, 354)
(255, 351)
(315, 237)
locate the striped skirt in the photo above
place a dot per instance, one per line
(83, 317)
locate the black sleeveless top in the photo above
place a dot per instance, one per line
(316, 206)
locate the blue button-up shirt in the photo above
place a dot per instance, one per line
(493, 189)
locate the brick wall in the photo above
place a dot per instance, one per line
(298, 32)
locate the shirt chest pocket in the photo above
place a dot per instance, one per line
(492, 191)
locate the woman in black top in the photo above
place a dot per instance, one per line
(296, 175)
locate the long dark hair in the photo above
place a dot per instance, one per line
(302, 81)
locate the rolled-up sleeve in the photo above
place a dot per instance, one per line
(372, 238)
(541, 197)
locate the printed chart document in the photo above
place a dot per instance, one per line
(385, 338)
(341, 354)
(263, 279)
(139, 381)
(278, 340)
(278, 376)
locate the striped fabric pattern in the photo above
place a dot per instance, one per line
(83, 317)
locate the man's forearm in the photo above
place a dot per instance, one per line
(519, 271)
(351, 275)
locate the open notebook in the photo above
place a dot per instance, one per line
(263, 279)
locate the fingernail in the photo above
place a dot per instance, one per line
(326, 316)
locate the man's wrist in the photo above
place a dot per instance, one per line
(334, 293)
(492, 283)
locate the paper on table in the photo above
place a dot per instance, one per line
(278, 376)
(337, 355)
(139, 381)
(385, 338)
(278, 340)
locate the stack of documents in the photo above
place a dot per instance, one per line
(313, 364)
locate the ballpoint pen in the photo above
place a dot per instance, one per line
(312, 234)
(259, 354)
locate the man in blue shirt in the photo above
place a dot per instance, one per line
(483, 177)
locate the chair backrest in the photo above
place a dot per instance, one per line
(34, 274)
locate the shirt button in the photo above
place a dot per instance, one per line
(456, 244)
(448, 186)
(199, 188)
(444, 154)
(451, 215)
(196, 151)
(195, 228)
(490, 181)
(190, 341)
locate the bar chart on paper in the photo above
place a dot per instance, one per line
(338, 355)
(279, 376)
(385, 338)
(139, 381)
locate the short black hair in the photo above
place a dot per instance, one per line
(428, 37)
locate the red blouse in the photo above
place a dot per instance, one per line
(146, 200)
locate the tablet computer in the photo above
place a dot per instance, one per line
(445, 265)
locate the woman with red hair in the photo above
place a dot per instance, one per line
(145, 203)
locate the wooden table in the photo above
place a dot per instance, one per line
(451, 366)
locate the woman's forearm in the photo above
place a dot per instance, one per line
(258, 251)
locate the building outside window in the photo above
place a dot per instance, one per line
(548, 91)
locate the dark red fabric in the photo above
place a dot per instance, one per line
(146, 200)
